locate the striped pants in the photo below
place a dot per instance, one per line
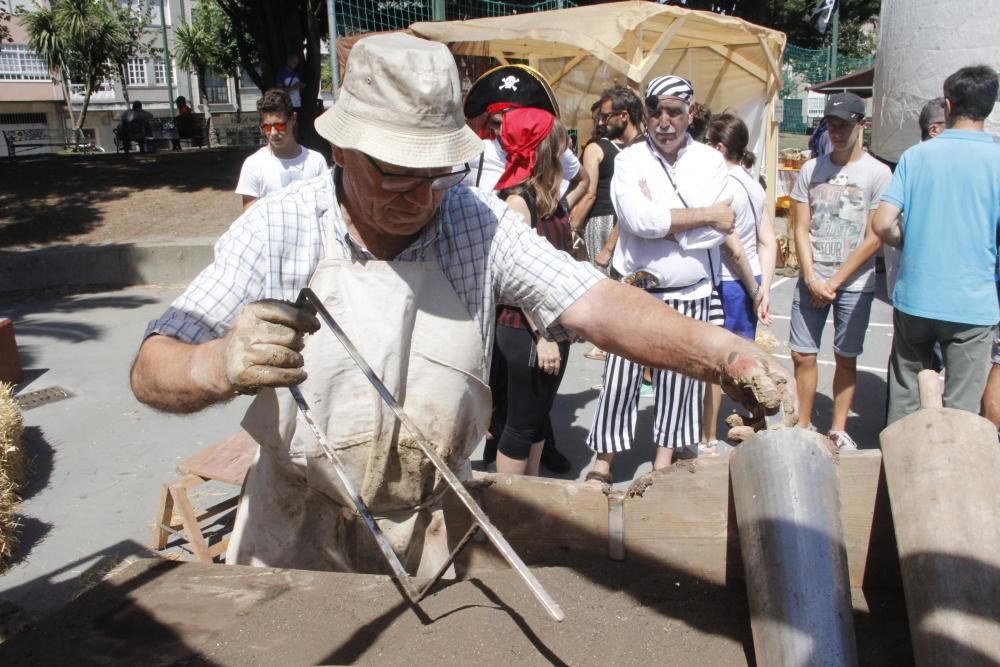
(679, 398)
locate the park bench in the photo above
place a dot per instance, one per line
(161, 135)
(22, 141)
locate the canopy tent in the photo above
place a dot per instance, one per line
(733, 64)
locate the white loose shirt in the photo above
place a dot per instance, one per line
(748, 204)
(690, 265)
(495, 161)
(263, 173)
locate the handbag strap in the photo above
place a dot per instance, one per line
(673, 184)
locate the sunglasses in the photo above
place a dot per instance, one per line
(267, 127)
(603, 117)
(405, 182)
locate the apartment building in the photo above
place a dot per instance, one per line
(31, 98)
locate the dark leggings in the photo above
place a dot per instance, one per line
(530, 392)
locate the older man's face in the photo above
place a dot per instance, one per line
(392, 200)
(668, 123)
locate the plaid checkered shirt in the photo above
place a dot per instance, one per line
(487, 253)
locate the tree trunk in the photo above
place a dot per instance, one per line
(68, 94)
(123, 78)
(78, 130)
(210, 139)
(239, 98)
(313, 66)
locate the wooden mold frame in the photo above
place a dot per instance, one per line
(682, 518)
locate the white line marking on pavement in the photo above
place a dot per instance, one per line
(870, 369)
(780, 281)
(871, 324)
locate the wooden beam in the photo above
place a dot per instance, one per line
(654, 52)
(775, 68)
(567, 68)
(740, 61)
(683, 519)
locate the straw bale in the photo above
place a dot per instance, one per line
(13, 471)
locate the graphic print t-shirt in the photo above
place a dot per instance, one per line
(841, 199)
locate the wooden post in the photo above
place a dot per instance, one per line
(943, 471)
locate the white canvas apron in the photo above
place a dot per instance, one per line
(408, 323)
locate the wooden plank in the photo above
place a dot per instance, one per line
(681, 520)
(226, 461)
(867, 523)
(543, 519)
(653, 55)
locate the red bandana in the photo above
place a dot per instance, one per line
(523, 129)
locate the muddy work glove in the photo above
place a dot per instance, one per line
(760, 384)
(262, 348)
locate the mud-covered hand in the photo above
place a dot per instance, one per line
(758, 382)
(262, 348)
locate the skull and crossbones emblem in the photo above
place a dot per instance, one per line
(509, 83)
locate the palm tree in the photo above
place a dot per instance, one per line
(45, 39)
(75, 38)
(194, 52)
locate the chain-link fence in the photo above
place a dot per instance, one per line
(802, 69)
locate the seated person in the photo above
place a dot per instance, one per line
(187, 123)
(134, 126)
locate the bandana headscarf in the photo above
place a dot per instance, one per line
(523, 129)
(495, 108)
(671, 86)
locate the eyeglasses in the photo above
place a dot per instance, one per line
(406, 182)
(603, 117)
(267, 127)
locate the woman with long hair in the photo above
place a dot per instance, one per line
(744, 302)
(534, 140)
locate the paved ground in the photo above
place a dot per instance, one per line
(100, 456)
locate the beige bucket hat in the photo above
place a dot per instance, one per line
(401, 103)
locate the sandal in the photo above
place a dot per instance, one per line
(598, 476)
(596, 354)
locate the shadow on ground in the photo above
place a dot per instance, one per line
(48, 199)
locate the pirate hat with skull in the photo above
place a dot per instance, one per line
(510, 86)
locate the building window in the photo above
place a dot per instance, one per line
(159, 72)
(137, 72)
(217, 88)
(245, 80)
(19, 63)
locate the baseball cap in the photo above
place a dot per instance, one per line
(845, 106)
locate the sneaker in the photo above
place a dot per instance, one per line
(646, 391)
(842, 441)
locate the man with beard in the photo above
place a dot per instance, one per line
(672, 203)
(619, 116)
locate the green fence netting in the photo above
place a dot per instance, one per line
(362, 16)
(813, 65)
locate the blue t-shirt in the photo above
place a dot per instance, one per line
(949, 191)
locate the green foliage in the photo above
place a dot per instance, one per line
(792, 18)
(83, 40)
(133, 21)
(5, 27)
(209, 40)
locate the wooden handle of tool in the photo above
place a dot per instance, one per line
(929, 386)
